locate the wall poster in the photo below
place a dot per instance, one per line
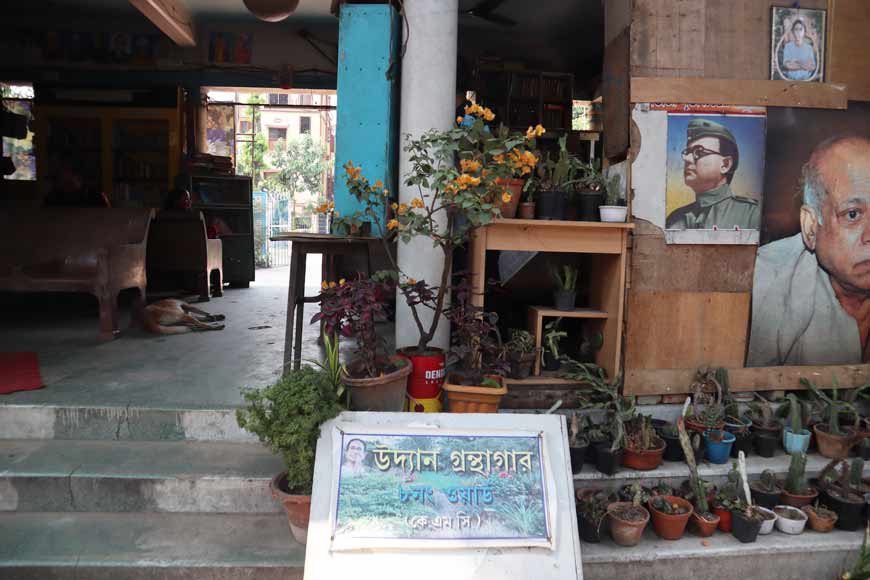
(797, 44)
(811, 287)
(447, 490)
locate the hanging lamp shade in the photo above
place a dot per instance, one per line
(271, 10)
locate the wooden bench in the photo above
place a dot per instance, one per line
(177, 242)
(98, 251)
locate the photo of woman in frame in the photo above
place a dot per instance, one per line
(797, 44)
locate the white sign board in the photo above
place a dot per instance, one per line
(443, 496)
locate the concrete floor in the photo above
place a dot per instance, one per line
(203, 370)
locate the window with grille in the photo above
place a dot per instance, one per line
(276, 134)
(304, 125)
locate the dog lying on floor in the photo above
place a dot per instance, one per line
(178, 317)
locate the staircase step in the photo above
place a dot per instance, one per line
(128, 476)
(776, 556)
(676, 472)
(111, 546)
(119, 423)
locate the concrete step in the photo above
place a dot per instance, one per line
(777, 556)
(136, 476)
(674, 473)
(119, 423)
(101, 546)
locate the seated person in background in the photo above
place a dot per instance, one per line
(69, 190)
(178, 199)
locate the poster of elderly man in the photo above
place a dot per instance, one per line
(797, 44)
(811, 287)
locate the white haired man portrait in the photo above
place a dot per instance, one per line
(811, 291)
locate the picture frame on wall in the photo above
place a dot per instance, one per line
(797, 44)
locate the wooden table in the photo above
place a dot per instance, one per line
(608, 242)
(302, 245)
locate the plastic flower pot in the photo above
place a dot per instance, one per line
(820, 522)
(702, 527)
(833, 446)
(673, 449)
(768, 521)
(775, 429)
(765, 499)
(613, 213)
(766, 444)
(798, 500)
(850, 514)
(549, 362)
(564, 299)
(588, 203)
(671, 526)
(606, 460)
(550, 205)
(790, 520)
(725, 519)
(521, 365)
(384, 393)
(744, 529)
(578, 456)
(298, 507)
(474, 399)
(743, 441)
(589, 531)
(718, 451)
(527, 210)
(643, 460)
(795, 442)
(627, 522)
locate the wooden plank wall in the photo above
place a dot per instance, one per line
(849, 23)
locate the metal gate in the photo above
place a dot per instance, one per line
(274, 215)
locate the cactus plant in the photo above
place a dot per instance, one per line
(767, 482)
(566, 280)
(796, 480)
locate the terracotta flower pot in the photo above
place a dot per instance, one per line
(704, 528)
(626, 532)
(724, 518)
(694, 425)
(667, 526)
(798, 501)
(515, 188)
(527, 210)
(384, 393)
(298, 507)
(820, 523)
(643, 460)
(834, 446)
(473, 399)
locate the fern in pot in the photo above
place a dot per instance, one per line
(287, 416)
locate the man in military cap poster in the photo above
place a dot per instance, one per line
(709, 176)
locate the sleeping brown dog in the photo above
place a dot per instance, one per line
(178, 317)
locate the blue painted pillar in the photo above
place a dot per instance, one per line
(369, 37)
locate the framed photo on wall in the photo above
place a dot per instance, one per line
(797, 44)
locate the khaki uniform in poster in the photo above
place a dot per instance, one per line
(718, 207)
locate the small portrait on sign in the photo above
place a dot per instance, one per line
(797, 44)
(354, 458)
(715, 171)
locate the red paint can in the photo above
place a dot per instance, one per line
(428, 374)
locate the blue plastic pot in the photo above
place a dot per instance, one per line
(795, 442)
(719, 451)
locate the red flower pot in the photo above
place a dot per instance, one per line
(724, 519)
(667, 526)
(643, 460)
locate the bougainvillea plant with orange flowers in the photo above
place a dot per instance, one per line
(459, 176)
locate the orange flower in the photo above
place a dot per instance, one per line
(465, 180)
(488, 115)
(352, 172)
(392, 224)
(417, 203)
(411, 281)
(403, 209)
(379, 184)
(498, 158)
(469, 165)
(341, 282)
(459, 120)
(506, 197)
(324, 285)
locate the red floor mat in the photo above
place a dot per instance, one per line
(19, 371)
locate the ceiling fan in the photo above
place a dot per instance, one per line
(485, 10)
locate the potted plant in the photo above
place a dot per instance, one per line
(797, 491)
(476, 383)
(459, 176)
(589, 187)
(766, 490)
(643, 447)
(768, 519)
(519, 162)
(628, 521)
(592, 513)
(287, 417)
(821, 518)
(577, 444)
(552, 337)
(551, 180)
(718, 444)
(704, 521)
(747, 522)
(864, 448)
(527, 206)
(763, 418)
(376, 381)
(670, 515)
(765, 443)
(790, 520)
(708, 411)
(614, 208)
(521, 352)
(598, 437)
(604, 394)
(841, 491)
(834, 441)
(565, 287)
(795, 435)
(673, 449)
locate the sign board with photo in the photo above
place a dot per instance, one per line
(447, 495)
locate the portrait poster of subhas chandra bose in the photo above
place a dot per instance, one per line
(811, 286)
(715, 172)
(444, 490)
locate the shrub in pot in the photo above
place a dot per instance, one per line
(287, 416)
(602, 393)
(564, 287)
(643, 447)
(842, 492)
(821, 518)
(797, 491)
(521, 352)
(766, 490)
(627, 521)
(790, 520)
(834, 440)
(670, 515)
(592, 513)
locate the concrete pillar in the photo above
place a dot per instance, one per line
(428, 102)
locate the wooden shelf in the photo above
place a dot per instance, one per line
(549, 311)
(545, 379)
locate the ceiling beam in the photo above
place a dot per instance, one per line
(170, 16)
